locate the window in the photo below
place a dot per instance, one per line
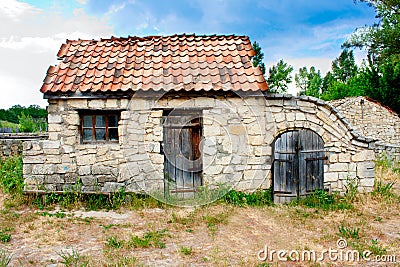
(99, 126)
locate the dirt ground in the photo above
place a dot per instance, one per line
(215, 235)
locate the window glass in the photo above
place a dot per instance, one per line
(87, 134)
(100, 121)
(87, 121)
(100, 134)
(112, 121)
(113, 134)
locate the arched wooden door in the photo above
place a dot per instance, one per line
(298, 167)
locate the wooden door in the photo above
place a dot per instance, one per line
(298, 167)
(181, 147)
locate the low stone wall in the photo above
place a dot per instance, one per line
(389, 151)
(12, 144)
(238, 137)
(369, 118)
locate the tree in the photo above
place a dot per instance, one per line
(310, 83)
(258, 58)
(382, 43)
(279, 77)
(381, 40)
(344, 67)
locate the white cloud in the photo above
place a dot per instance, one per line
(29, 42)
(14, 9)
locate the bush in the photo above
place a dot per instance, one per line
(11, 178)
(320, 199)
(257, 198)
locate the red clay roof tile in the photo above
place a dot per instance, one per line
(178, 62)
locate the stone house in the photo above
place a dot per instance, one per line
(369, 118)
(168, 115)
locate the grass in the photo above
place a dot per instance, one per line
(362, 219)
(5, 258)
(257, 198)
(348, 232)
(186, 250)
(149, 239)
(5, 237)
(73, 259)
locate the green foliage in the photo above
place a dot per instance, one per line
(320, 199)
(349, 232)
(5, 258)
(149, 239)
(113, 242)
(279, 77)
(11, 179)
(384, 190)
(344, 67)
(10, 125)
(310, 83)
(12, 114)
(257, 198)
(186, 251)
(4, 236)
(258, 58)
(73, 259)
(351, 186)
(376, 248)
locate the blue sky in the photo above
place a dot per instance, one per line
(302, 32)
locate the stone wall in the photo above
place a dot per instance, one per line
(238, 134)
(12, 144)
(371, 119)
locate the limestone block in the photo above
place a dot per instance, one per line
(338, 167)
(113, 103)
(157, 158)
(86, 159)
(331, 177)
(366, 169)
(237, 130)
(34, 159)
(256, 140)
(110, 187)
(300, 116)
(43, 169)
(280, 117)
(344, 157)
(364, 155)
(73, 118)
(333, 158)
(54, 118)
(96, 103)
(88, 180)
(51, 144)
(290, 116)
(53, 179)
(213, 170)
(84, 170)
(77, 103)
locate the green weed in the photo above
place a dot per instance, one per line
(149, 239)
(73, 259)
(257, 198)
(5, 258)
(113, 242)
(186, 251)
(376, 248)
(349, 232)
(4, 236)
(11, 180)
(320, 199)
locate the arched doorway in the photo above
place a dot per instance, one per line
(298, 167)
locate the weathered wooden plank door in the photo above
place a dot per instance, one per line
(298, 167)
(181, 147)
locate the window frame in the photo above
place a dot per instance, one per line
(94, 114)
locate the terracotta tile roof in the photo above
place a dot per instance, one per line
(179, 62)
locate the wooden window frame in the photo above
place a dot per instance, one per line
(94, 114)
